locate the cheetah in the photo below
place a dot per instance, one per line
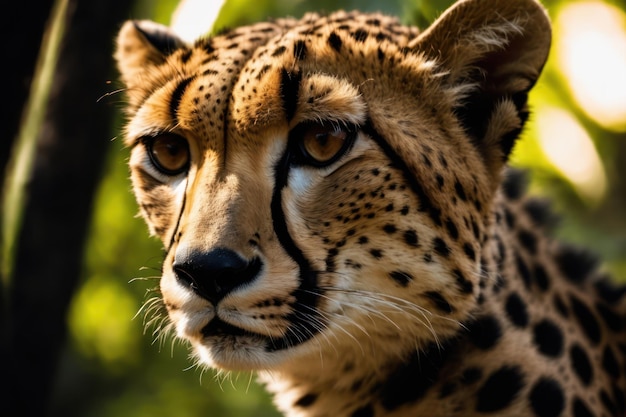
(337, 216)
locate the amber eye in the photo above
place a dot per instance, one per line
(169, 153)
(322, 144)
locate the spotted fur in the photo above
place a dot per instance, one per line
(336, 211)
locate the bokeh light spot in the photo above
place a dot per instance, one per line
(591, 50)
(570, 149)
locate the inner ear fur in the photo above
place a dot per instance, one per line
(492, 52)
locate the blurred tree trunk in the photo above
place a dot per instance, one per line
(23, 30)
(70, 150)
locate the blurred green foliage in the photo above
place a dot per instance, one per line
(113, 367)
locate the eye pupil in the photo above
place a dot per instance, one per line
(322, 138)
(321, 145)
(169, 153)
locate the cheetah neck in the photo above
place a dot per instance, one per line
(362, 388)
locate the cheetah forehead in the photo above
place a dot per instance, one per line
(250, 67)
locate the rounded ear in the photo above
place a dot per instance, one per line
(142, 44)
(492, 53)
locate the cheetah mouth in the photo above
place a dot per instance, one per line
(217, 327)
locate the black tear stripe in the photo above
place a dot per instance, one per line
(177, 96)
(289, 91)
(305, 319)
(424, 201)
(180, 216)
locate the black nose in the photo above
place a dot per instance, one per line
(212, 275)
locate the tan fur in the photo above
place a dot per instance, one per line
(407, 276)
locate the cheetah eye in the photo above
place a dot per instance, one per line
(169, 153)
(321, 145)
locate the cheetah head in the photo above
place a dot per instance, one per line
(324, 185)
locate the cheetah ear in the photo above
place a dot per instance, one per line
(142, 44)
(491, 53)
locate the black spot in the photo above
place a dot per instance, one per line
(414, 377)
(548, 338)
(586, 319)
(501, 250)
(306, 400)
(440, 181)
(547, 398)
(528, 241)
(279, 51)
(465, 286)
(453, 231)
(609, 363)
(299, 50)
(471, 375)
(612, 319)
(499, 283)
(410, 238)
(184, 57)
(380, 54)
(440, 246)
(365, 411)
(514, 184)
(390, 228)
(523, 270)
(581, 364)
(335, 42)
(485, 332)
(376, 253)
(560, 306)
(207, 45)
(500, 389)
(541, 277)
(609, 292)
(540, 213)
(447, 389)
(576, 264)
(620, 398)
(363, 240)
(608, 403)
(401, 277)
(580, 409)
(360, 35)
(460, 191)
(469, 251)
(435, 215)
(263, 70)
(439, 300)
(509, 218)
(516, 310)
(330, 259)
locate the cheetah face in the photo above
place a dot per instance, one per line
(309, 179)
